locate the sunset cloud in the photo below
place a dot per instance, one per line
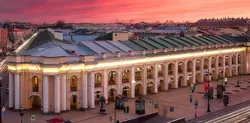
(40, 11)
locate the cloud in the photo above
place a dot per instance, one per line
(109, 10)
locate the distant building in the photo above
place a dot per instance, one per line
(3, 39)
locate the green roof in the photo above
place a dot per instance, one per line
(161, 42)
(154, 43)
(144, 44)
(176, 44)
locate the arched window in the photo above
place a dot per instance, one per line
(35, 84)
(73, 83)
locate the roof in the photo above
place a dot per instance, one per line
(45, 45)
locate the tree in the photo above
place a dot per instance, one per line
(60, 23)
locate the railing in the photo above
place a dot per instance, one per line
(73, 89)
(149, 76)
(35, 89)
(98, 84)
(111, 82)
(189, 69)
(160, 74)
(180, 71)
(125, 80)
(170, 72)
(138, 78)
(227, 63)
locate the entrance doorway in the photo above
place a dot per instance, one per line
(73, 102)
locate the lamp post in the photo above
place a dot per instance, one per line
(21, 113)
(1, 86)
(208, 74)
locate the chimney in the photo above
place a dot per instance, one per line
(131, 53)
(118, 54)
(104, 55)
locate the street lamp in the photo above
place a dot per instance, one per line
(1, 86)
(208, 74)
(21, 113)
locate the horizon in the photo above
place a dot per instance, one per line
(109, 11)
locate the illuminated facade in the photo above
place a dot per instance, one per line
(58, 76)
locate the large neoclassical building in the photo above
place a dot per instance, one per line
(58, 75)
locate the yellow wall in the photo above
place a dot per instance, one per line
(122, 36)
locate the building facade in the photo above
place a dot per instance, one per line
(49, 77)
(3, 39)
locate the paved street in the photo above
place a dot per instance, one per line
(177, 98)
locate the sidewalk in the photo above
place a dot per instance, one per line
(177, 98)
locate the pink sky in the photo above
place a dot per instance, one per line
(40, 11)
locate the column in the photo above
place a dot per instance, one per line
(166, 76)
(105, 85)
(194, 71)
(11, 90)
(45, 94)
(202, 70)
(242, 63)
(119, 81)
(91, 90)
(230, 65)
(185, 73)
(85, 90)
(156, 78)
(17, 91)
(209, 68)
(132, 82)
(176, 75)
(236, 64)
(224, 66)
(57, 94)
(144, 76)
(217, 67)
(64, 93)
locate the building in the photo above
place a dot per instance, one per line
(3, 39)
(59, 76)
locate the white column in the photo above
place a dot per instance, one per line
(144, 75)
(85, 90)
(176, 75)
(64, 93)
(224, 66)
(236, 64)
(57, 94)
(156, 78)
(194, 71)
(132, 82)
(230, 65)
(209, 68)
(92, 90)
(119, 81)
(17, 91)
(185, 73)
(202, 70)
(166, 76)
(105, 85)
(11, 90)
(242, 65)
(217, 66)
(45, 94)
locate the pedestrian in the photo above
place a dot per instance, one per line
(190, 98)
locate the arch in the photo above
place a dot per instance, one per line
(160, 70)
(233, 71)
(36, 102)
(214, 76)
(150, 72)
(213, 62)
(138, 74)
(112, 77)
(73, 102)
(181, 81)
(97, 96)
(189, 66)
(198, 64)
(206, 63)
(171, 82)
(198, 78)
(233, 59)
(98, 80)
(227, 74)
(125, 91)
(171, 69)
(161, 85)
(227, 60)
(190, 79)
(35, 84)
(150, 87)
(138, 90)
(112, 93)
(220, 61)
(181, 67)
(125, 75)
(73, 83)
